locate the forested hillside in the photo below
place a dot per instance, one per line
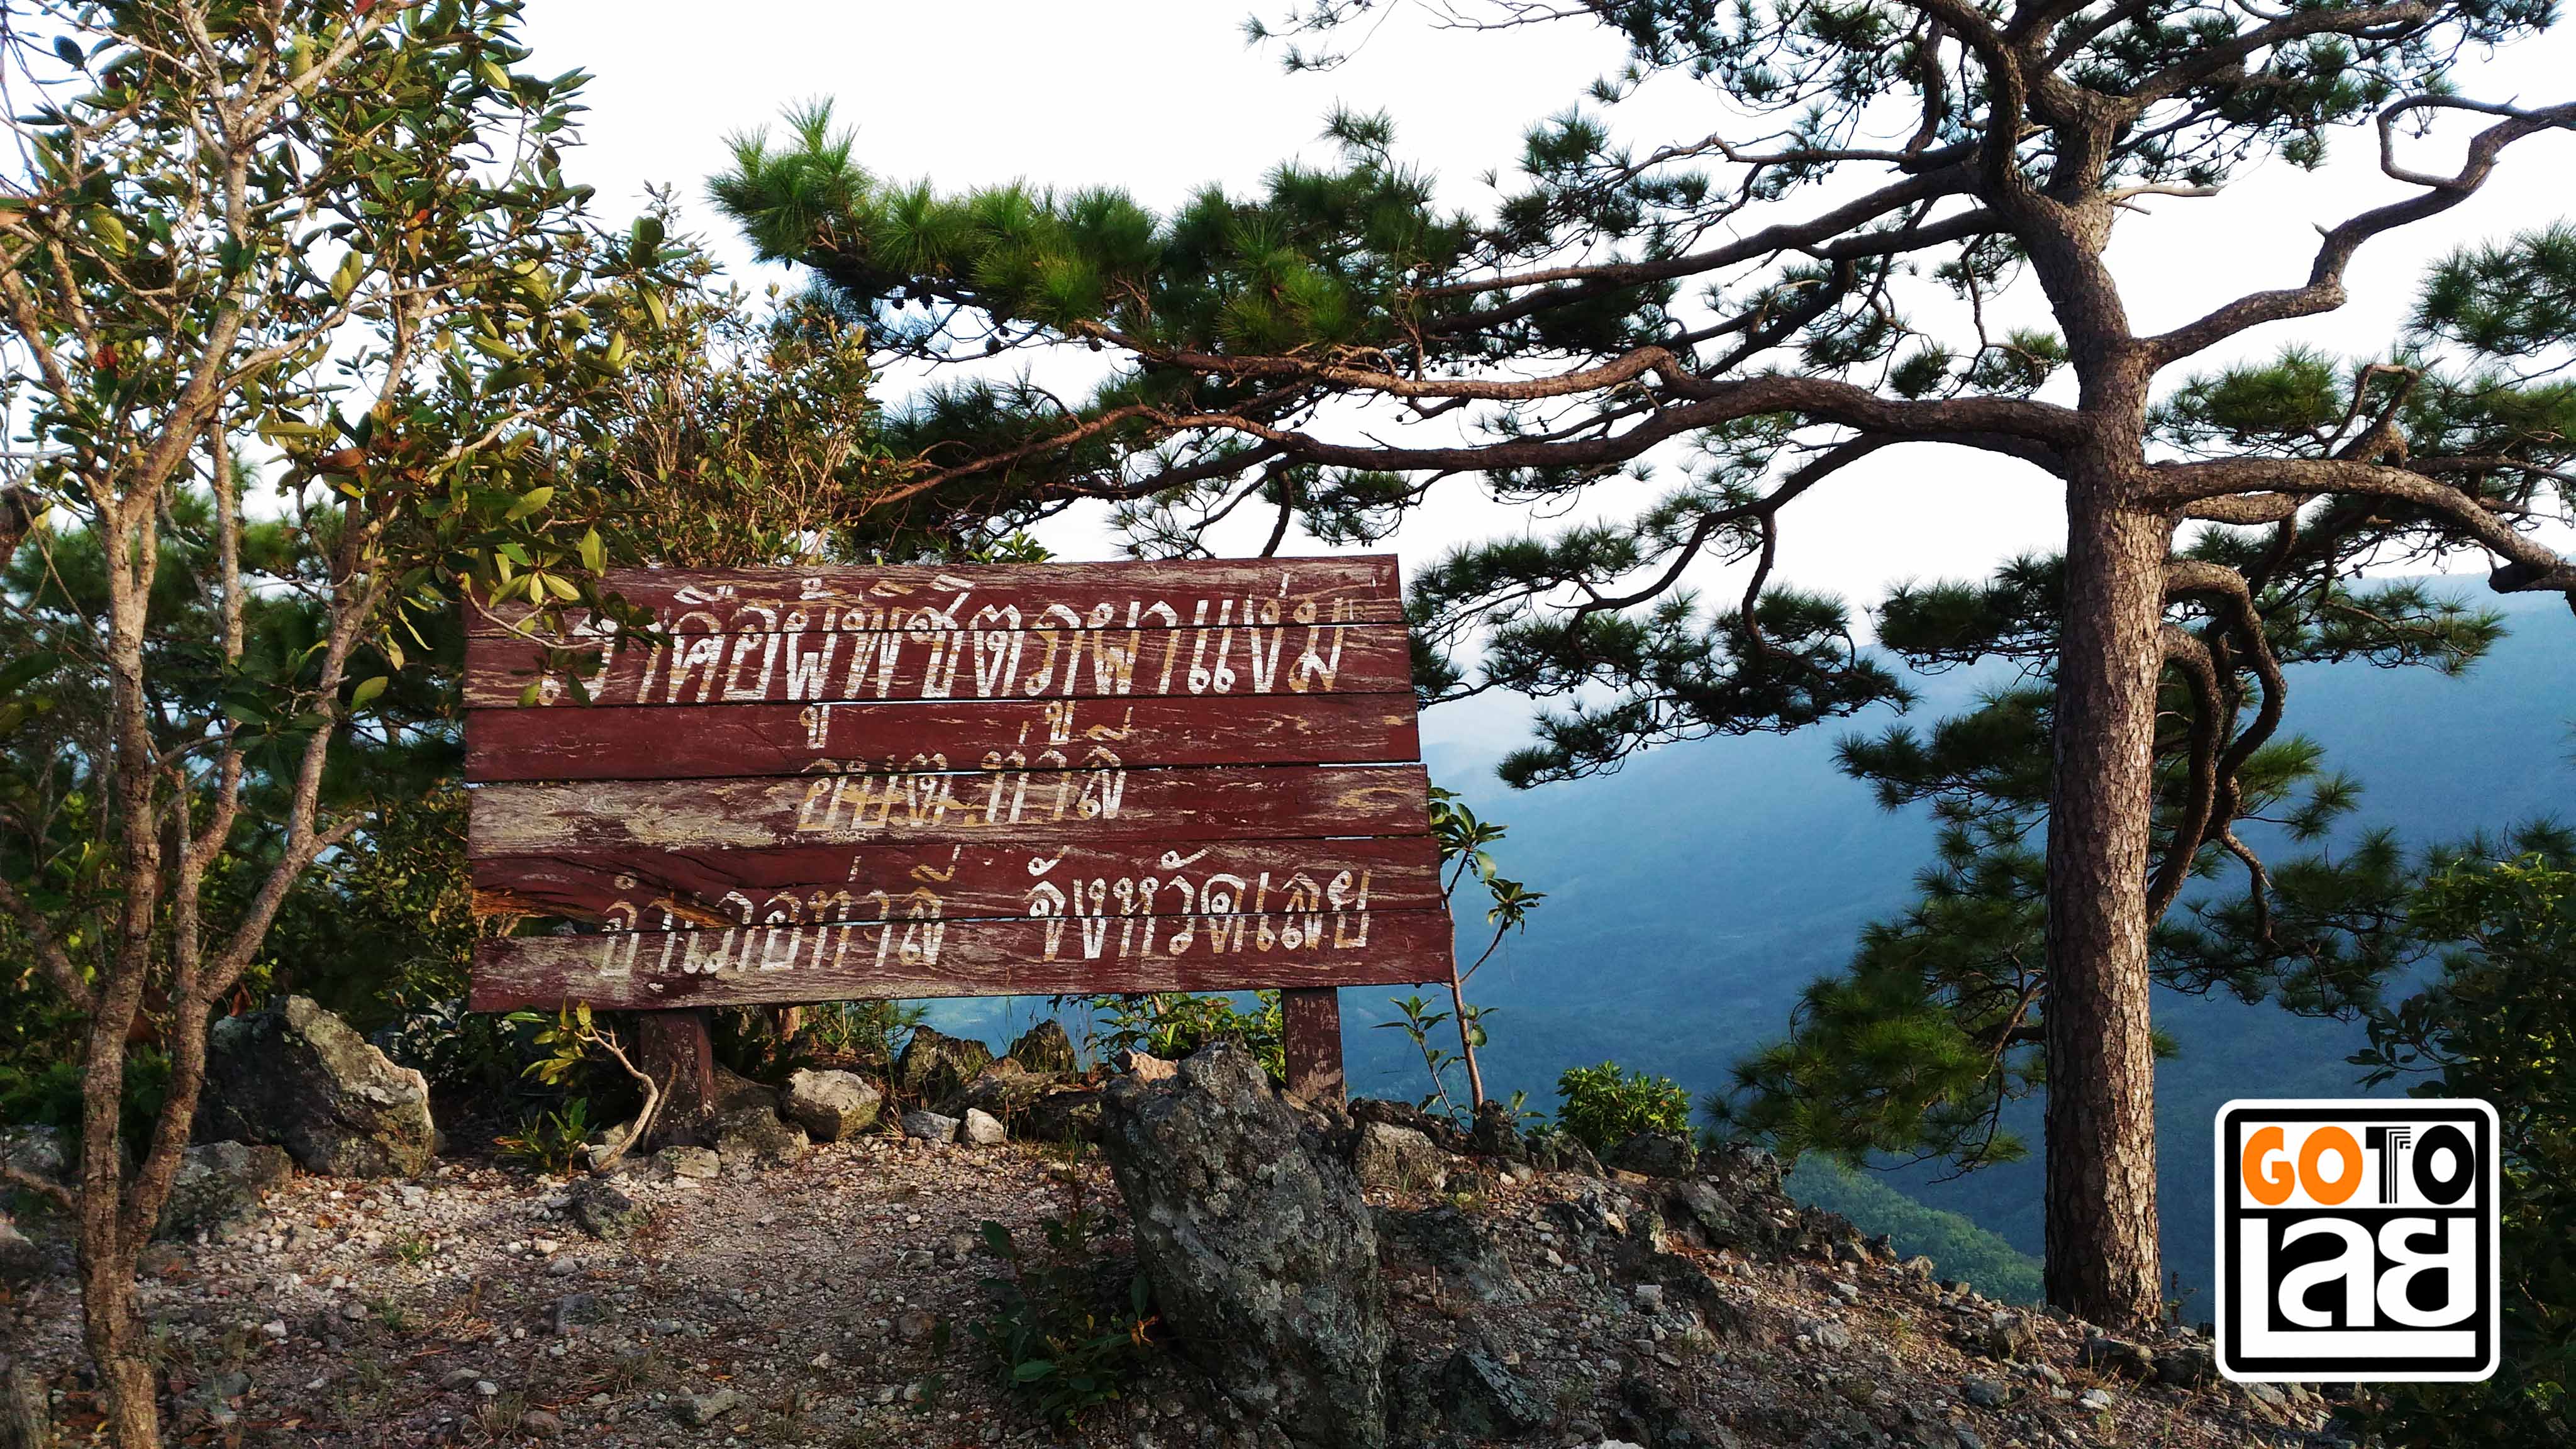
(1691, 895)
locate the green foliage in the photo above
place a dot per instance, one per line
(1603, 1106)
(867, 1033)
(1418, 1019)
(2498, 1021)
(1957, 1245)
(1173, 1024)
(551, 1143)
(1063, 1347)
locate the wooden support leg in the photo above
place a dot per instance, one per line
(1314, 1043)
(674, 1049)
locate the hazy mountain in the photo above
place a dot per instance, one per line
(1691, 895)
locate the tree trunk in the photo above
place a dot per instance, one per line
(126, 1393)
(2103, 1262)
(675, 1049)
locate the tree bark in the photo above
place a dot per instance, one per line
(126, 1392)
(2102, 1255)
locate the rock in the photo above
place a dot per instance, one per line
(574, 1310)
(703, 1411)
(1483, 1399)
(754, 1134)
(1656, 1417)
(1984, 1393)
(297, 1076)
(831, 1106)
(2116, 1355)
(983, 1129)
(1497, 1134)
(2010, 1335)
(36, 1151)
(1067, 1115)
(1044, 1048)
(916, 1325)
(936, 1066)
(1461, 1247)
(219, 1186)
(26, 1419)
(539, 1424)
(1144, 1066)
(2186, 1365)
(1397, 1158)
(1655, 1154)
(1701, 1204)
(1825, 1333)
(1556, 1151)
(1001, 1091)
(930, 1126)
(695, 1162)
(21, 1261)
(1259, 1247)
(1919, 1268)
(605, 1212)
(606, 1150)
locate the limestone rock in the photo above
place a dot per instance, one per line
(982, 1129)
(1144, 1066)
(930, 1126)
(832, 1106)
(1461, 1247)
(695, 1162)
(936, 1066)
(1496, 1134)
(1044, 1048)
(21, 1261)
(1001, 1091)
(1397, 1158)
(1260, 1250)
(297, 1076)
(219, 1186)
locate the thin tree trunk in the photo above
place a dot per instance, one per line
(126, 1393)
(2103, 1262)
(1466, 1040)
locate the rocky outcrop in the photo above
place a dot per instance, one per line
(1068, 1114)
(753, 1134)
(831, 1106)
(1260, 1251)
(936, 1066)
(303, 1079)
(1044, 1048)
(1655, 1154)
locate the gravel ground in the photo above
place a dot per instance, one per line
(825, 1302)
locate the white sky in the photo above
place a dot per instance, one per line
(1161, 96)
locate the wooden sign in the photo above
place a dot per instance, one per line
(837, 783)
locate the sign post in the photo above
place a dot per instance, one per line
(836, 783)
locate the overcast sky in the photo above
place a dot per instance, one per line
(1161, 96)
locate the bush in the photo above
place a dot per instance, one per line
(1174, 1024)
(1061, 1345)
(1603, 1106)
(550, 1142)
(2498, 1021)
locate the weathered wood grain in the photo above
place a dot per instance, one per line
(1359, 587)
(1092, 803)
(818, 665)
(642, 970)
(624, 742)
(647, 890)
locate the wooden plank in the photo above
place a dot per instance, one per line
(918, 958)
(1311, 1032)
(820, 665)
(647, 890)
(1357, 587)
(623, 742)
(1088, 805)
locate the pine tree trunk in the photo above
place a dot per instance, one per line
(2103, 1262)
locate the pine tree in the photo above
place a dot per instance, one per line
(1748, 313)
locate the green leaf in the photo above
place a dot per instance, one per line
(1032, 1371)
(594, 554)
(366, 692)
(529, 502)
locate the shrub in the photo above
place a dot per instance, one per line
(550, 1142)
(1176, 1023)
(1062, 1347)
(1604, 1106)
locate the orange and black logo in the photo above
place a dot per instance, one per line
(2357, 1240)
